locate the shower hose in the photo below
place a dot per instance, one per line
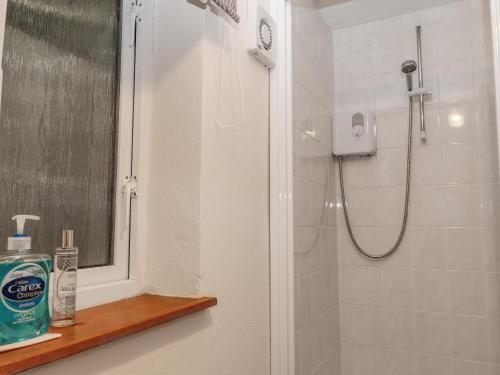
(368, 253)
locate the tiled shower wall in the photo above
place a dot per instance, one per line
(316, 292)
(434, 307)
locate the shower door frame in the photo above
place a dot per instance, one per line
(281, 198)
(281, 178)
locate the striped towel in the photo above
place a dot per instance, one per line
(230, 7)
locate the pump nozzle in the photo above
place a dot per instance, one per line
(20, 241)
(21, 220)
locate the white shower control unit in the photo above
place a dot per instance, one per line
(263, 48)
(355, 134)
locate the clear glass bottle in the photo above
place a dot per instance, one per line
(65, 282)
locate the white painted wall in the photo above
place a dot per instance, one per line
(208, 208)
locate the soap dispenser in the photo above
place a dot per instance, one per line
(24, 288)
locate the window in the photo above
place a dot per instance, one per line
(67, 128)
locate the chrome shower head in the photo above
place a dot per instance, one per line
(409, 66)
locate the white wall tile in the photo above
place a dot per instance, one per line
(490, 205)
(481, 27)
(487, 161)
(492, 287)
(361, 173)
(429, 248)
(454, 41)
(392, 128)
(494, 335)
(362, 93)
(318, 196)
(388, 46)
(460, 163)
(470, 338)
(433, 365)
(494, 370)
(390, 91)
(430, 44)
(398, 329)
(464, 249)
(458, 122)
(345, 322)
(427, 206)
(301, 239)
(364, 360)
(467, 292)
(301, 208)
(298, 367)
(431, 290)
(319, 294)
(455, 80)
(305, 350)
(318, 341)
(342, 41)
(302, 70)
(363, 50)
(489, 240)
(469, 368)
(463, 205)
(391, 167)
(433, 333)
(365, 325)
(399, 363)
(303, 23)
(397, 288)
(302, 302)
(428, 165)
(312, 158)
(365, 285)
(484, 77)
(486, 119)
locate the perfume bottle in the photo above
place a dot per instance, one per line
(65, 282)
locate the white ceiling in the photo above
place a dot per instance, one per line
(340, 14)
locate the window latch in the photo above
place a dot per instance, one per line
(129, 191)
(135, 12)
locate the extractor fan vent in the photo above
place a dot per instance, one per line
(266, 34)
(265, 46)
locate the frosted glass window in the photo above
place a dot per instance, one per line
(58, 122)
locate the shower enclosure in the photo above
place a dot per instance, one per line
(431, 307)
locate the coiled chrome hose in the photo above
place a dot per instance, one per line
(367, 253)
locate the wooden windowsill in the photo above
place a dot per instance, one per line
(102, 324)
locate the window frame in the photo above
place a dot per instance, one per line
(120, 280)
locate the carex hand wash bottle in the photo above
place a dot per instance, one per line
(24, 288)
